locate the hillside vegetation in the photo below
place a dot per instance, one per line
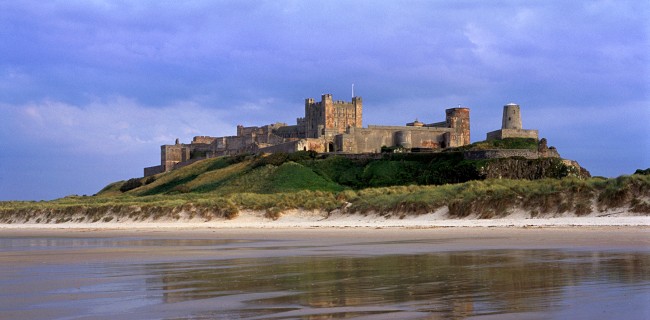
(394, 184)
(282, 172)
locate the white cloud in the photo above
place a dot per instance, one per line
(116, 126)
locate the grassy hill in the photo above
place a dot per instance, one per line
(483, 198)
(283, 172)
(388, 184)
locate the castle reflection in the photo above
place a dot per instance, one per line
(451, 285)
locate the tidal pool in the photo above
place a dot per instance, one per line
(163, 278)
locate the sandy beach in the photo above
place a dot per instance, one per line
(345, 240)
(329, 265)
(136, 271)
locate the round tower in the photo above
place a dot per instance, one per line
(403, 139)
(511, 117)
(458, 120)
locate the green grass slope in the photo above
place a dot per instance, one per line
(282, 172)
(409, 183)
(226, 175)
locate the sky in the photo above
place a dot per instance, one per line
(89, 90)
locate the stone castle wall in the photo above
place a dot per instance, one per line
(512, 133)
(454, 132)
(317, 145)
(373, 138)
(150, 171)
(203, 140)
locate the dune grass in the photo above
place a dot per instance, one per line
(484, 199)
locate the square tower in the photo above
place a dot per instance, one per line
(329, 117)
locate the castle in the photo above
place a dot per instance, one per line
(336, 127)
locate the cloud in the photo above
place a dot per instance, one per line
(51, 148)
(116, 126)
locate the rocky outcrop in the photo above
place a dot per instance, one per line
(531, 169)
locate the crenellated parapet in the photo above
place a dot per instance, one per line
(203, 140)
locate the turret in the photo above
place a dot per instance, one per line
(511, 117)
(511, 125)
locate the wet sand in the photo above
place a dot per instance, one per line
(587, 272)
(339, 241)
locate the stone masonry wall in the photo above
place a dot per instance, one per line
(371, 139)
(203, 139)
(318, 145)
(512, 133)
(150, 171)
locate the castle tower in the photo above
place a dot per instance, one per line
(511, 125)
(358, 112)
(458, 119)
(314, 115)
(329, 117)
(511, 117)
(327, 104)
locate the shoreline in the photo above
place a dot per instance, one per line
(260, 243)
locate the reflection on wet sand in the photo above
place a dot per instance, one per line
(450, 285)
(425, 276)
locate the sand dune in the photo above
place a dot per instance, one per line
(319, 219)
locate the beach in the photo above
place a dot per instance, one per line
(150, 272)
(451, 238)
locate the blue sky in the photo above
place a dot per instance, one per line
(89, 90)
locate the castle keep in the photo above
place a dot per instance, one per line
(327, 126)
(329, 118)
